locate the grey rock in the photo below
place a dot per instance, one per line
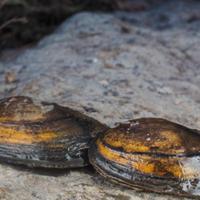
(113, 67)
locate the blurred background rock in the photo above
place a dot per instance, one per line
(26, 21)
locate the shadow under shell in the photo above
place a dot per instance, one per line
(41, 134)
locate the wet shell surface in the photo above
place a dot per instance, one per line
(41, 134)
(150, 154)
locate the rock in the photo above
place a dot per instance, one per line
(91, 64)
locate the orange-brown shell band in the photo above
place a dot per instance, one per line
(110, 168)
(160, 167)
(13, 136)
(153, 154)
(9, 121)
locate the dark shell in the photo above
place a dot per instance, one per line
(150, 154)
(41, 134)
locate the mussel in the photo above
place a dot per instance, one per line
(41, 134)
(150, 154)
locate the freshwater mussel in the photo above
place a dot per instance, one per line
(150, 154)
(41, 134)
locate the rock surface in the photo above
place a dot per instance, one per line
(113, 67)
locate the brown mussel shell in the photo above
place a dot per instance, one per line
(150, 154)
(41, 134)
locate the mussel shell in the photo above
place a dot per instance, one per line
(41, 134)
(150, 154)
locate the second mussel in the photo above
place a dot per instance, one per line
(150, 154)
(41, 134)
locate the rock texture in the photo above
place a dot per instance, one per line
(113, 67)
